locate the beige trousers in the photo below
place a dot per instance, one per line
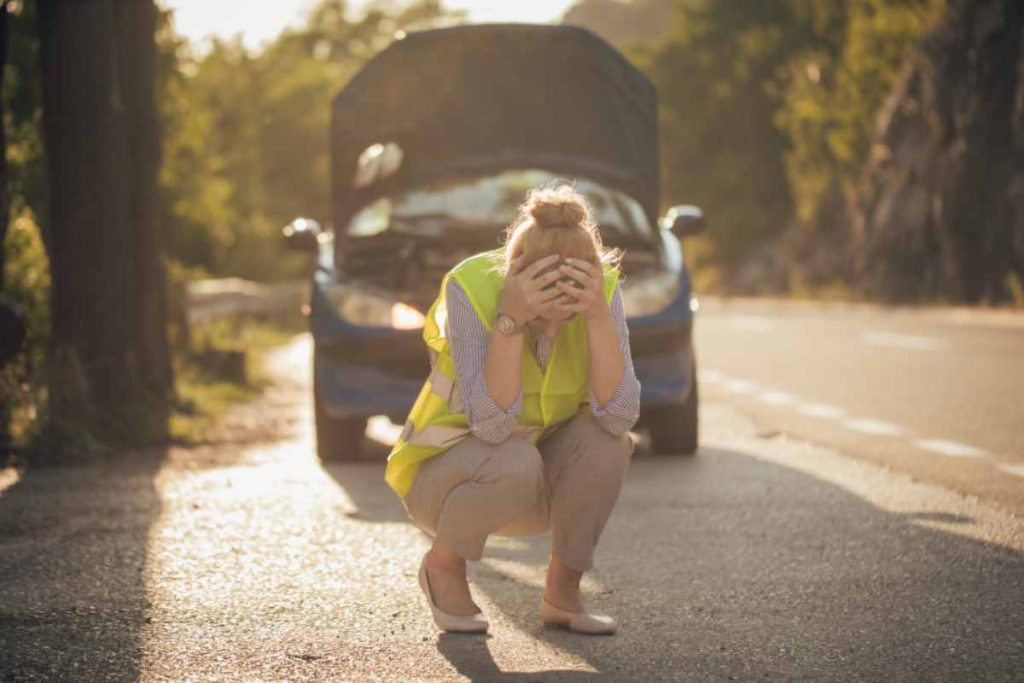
(567, 483)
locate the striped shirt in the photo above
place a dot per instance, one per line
(469, 341)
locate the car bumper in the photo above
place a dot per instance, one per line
(663, 363)
(360, 390)
(360, 378)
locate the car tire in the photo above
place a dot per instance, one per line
(674, 428)
(337, 439)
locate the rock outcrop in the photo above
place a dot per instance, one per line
(939, 214)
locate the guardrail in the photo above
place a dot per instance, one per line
(208, 300)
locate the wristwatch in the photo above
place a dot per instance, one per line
(506, 324)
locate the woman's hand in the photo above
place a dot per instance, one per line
(586, 295)
(524, 296)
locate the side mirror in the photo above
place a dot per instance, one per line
(684, 220)
(304, 234)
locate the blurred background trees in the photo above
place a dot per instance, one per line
(851, 148)
(778, 117)
(246, 133)
(770, 113)
(131, 160)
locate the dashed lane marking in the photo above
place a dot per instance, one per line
(862, 425)
(776, 398)
(1013, 469)
(740, 386)
(868, 426)
(820, 410)
(902, 341)
(950, 449)
(710, 376)
(873, 427)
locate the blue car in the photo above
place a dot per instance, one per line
(434, 144)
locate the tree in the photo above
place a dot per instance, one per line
(5, 197)
(767, 114)
(720, 146)
(247, 132)
(109, 368)
(5, 212)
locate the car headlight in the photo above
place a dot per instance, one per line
(367, 308)
(649, 293)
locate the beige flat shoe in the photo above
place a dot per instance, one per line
(472, 623)
(581, 622)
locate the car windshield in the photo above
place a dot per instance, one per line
(489, 202)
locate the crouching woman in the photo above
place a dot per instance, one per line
(522, 425)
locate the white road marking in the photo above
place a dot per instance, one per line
(752, 323)
(740, 386)
(950, 449)
(1013, 469)
(776, 398)
(822, 410)
(825, 411)
(875, 427)
(901, 341)
(710, 376)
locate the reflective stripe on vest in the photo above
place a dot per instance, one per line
(551, 395)
(447, 388)
(438, 436)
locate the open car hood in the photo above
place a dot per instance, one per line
(467, 100)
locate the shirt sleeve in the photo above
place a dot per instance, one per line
(622, 411)
(469, 342)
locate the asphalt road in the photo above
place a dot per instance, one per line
(765, 557)
(937, 393)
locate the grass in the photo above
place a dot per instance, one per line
(208, 388)
(224, 364)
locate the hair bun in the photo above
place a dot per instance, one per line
(558, 209)
(555, 219)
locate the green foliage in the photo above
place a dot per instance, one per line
(720, 147)
(26, 276)
(243, 152)
(767, 110)
(207, 388)
(830, 95)
(27, 282)
(246, 133)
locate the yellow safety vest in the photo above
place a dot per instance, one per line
(438, 420)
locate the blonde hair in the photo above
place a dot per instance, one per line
(555, 219)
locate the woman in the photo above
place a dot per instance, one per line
(522, 425)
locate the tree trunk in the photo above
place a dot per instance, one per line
(5, 214)
(5, 196)
(107, 349)
(137, 52)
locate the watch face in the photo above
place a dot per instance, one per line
(505, 323)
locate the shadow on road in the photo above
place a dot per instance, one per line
(73, 543)
(364, 484)
(471, 657)
(725, 564)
